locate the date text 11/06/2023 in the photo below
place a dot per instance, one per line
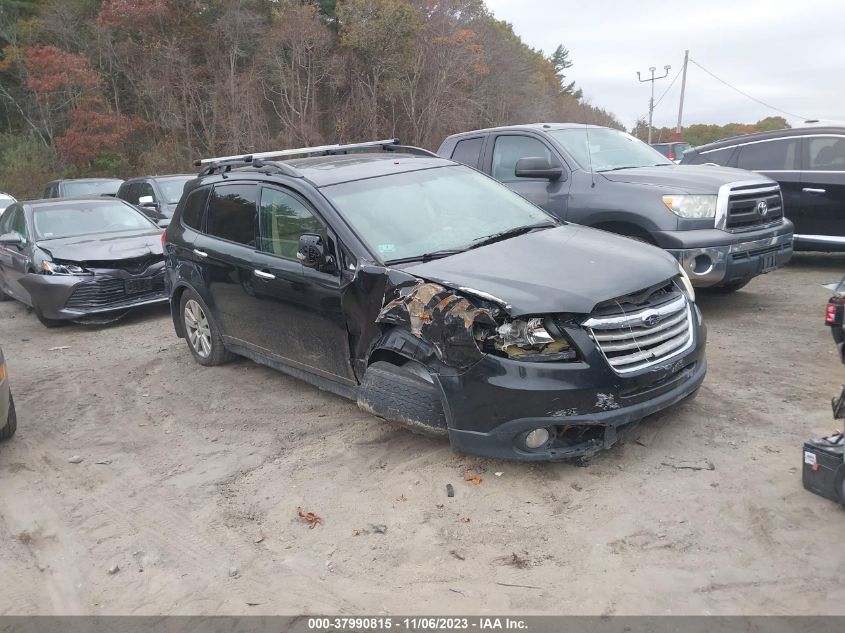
(421, 623)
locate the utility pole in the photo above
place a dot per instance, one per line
(652, 79)
(683, 90)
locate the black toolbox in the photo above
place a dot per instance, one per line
(824, 468)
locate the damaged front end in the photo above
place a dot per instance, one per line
(529, 387)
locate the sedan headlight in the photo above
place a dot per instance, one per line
(691, 207)
(685, 280)
(58, 268)
(534, 340)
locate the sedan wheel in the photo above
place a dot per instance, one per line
(197, 328)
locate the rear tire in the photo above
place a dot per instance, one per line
(731, 287)
(11, 422)
(201, 332)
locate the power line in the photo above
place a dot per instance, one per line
(745, 94)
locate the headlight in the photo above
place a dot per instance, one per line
(58, 268)
(693, 207)
(530, 340)
(687, 283)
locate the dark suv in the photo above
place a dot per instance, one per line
(432, 295)
(157, 196)
(809, 165)
(725, 226)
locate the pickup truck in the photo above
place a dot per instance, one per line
(725, 226)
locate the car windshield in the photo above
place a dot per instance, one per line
(71, 189)
(430, 211)
(86, 218)
(5, 201)
(171, 188)
(607, 149)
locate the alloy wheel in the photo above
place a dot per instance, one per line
(197, 328)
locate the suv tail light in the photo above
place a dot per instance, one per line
(671, 156)
(834, 313)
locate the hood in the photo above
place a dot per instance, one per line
(570, 268)
(701, 179)
(105, 246)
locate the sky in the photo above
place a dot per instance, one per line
(790, 55)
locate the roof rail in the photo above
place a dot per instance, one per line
(388, 145)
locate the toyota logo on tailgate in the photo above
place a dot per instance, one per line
(762, 208)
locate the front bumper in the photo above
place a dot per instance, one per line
(743, 256)
(493, 405)
(78, 296)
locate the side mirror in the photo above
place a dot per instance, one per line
(11, 239)
(312, 253)
(537, 167)
(163, 223)
(147, 201)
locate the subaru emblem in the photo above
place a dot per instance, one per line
(651, 320)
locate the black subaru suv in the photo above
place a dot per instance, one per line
(432, 295)
(809, 165)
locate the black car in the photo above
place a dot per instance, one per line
(8, 417)
(672, 151)
(155, 195)
(809, 165)
(432, 295)
(87, 259)
(725, 226)
(80, 187)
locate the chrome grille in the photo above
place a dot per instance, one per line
(740, 210)
(629, 344)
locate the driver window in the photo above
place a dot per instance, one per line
(18, 223)
(282, 220)
(509, 149)
(145, 189)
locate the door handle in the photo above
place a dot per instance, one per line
(200, 253)
(812, 190)
(263, 275)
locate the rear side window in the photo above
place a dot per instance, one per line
(283, 220)
(509, 149)
(718, 156)
(194, 208)
(468, 151)
(826, 153)
(771, 155)
(130, 193)
(232, 213)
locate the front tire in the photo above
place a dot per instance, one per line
(201, 331)
(11, 422)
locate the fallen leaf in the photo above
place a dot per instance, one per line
(259, 537)
(465, 519)
(473, 478)
(356, 532)
(310, 517)
(401, 498)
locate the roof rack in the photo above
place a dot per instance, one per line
(259, 159)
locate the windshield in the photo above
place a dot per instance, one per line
(87, 218)
(72, 189)
(171, 188)
(608, 149)
(5, 201)
(408, 215)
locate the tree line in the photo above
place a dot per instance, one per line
(124, 87)
(701, 133)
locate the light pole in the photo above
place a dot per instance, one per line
(652, 79)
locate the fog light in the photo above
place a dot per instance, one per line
(702, 264)
(536, 438)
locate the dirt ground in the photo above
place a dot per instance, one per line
(191, 479)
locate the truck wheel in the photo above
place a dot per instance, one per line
(731, 287)
(11, 422)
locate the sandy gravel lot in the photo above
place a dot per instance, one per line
(191, 479)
